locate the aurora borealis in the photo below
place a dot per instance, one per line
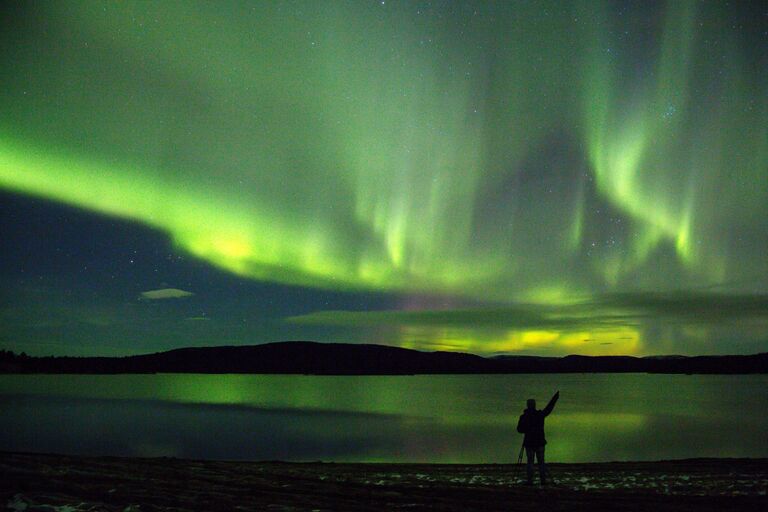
(518, 177)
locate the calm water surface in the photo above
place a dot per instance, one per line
(469, 419)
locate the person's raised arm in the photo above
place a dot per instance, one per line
(551, 404)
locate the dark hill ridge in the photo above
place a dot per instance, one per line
(304, 357)
(313, 358)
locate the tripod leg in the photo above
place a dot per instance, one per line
(519, 462)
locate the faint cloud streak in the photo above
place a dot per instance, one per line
(165, 293)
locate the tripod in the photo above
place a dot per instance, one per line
(519, 462)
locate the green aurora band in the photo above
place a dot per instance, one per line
(533, 152)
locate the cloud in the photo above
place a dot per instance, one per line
(604, 311)
(165, 293)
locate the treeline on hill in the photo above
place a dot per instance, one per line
(303, 357)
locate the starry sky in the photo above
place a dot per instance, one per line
(521, 177)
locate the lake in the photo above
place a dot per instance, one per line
(426, 418)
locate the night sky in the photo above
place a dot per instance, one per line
(513, 177)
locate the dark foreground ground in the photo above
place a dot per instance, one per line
(57, 483)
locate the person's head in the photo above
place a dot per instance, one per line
(531, 403)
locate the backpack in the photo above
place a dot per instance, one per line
(522, 424)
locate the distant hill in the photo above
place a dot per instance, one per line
(305, 357)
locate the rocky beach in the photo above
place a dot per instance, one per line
(63, 483)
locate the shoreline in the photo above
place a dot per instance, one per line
(70, 483)
(356, 359)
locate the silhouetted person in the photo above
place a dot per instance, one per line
(531, 424)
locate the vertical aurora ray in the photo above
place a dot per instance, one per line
(648, 142)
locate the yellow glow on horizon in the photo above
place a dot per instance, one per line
(622, 340)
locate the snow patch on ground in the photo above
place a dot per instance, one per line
(21, 503)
